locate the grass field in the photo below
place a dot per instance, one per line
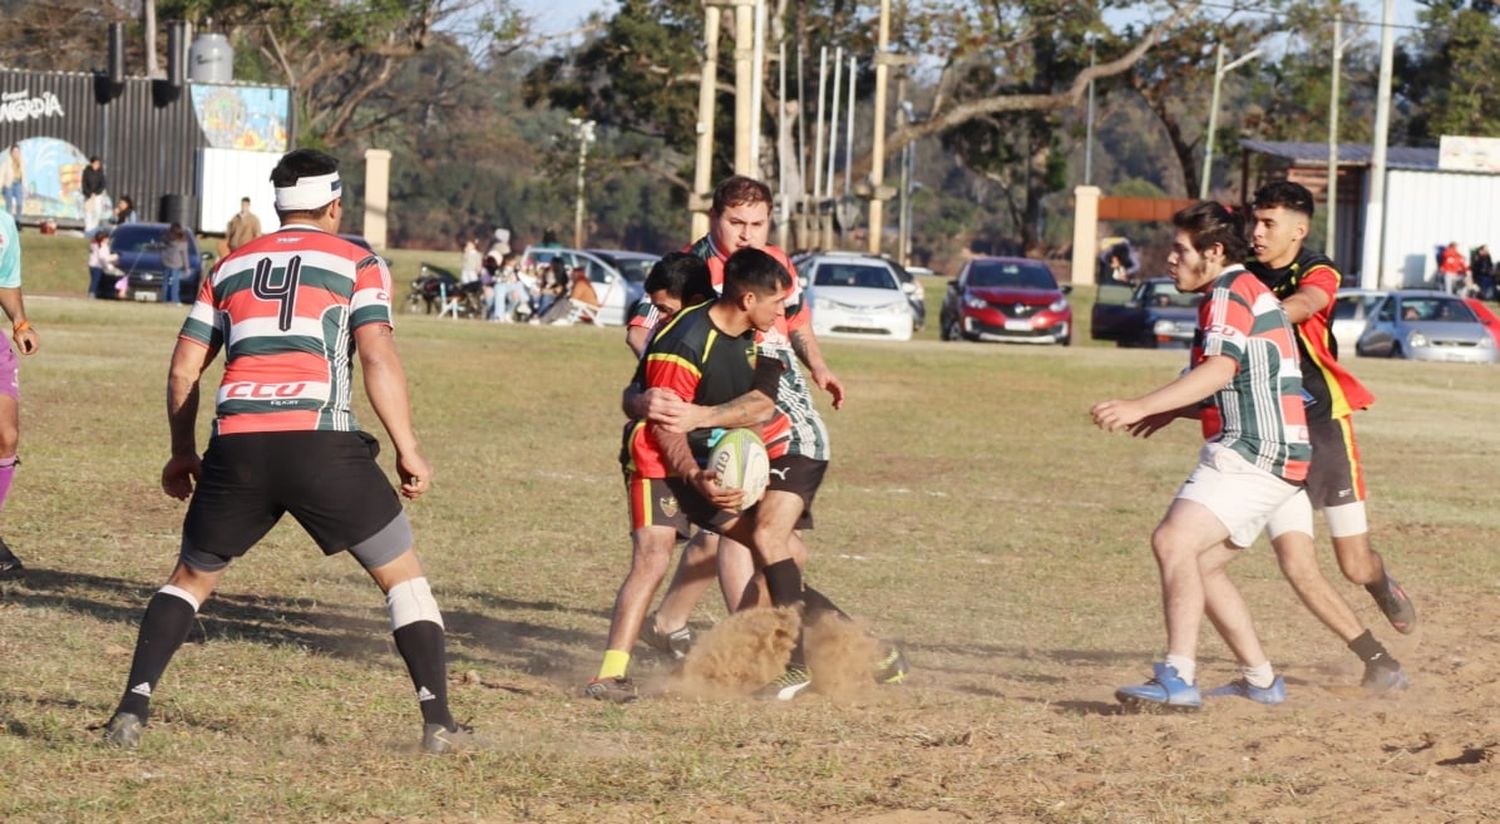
(971, 512)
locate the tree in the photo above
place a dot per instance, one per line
(1446, 70)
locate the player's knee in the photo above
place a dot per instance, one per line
(1168, 544)
(10, 438)
(411, 601)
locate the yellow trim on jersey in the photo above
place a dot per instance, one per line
(708, 345)
(676, 360)
(1356, 472)
(1336, 397)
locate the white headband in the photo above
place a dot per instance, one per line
(309, 193)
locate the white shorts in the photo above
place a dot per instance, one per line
(1242, 496)
(1297, 516)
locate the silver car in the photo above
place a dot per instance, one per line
(1423, 325)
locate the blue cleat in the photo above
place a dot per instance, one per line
(1165, 689)
(1240, 688)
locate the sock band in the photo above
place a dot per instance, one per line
(411, 601)
(615, 664)
(1260, 676)
(1367, 648)
(1187, 668)
(784, 580)
(183, 594)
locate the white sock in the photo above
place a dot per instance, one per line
(1260, 677)
(1187, 668)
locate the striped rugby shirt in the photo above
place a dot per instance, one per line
(285, 307)
(808, 435)
(1259, 413)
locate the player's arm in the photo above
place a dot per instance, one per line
(385, 385)
(183, 468)
(665, 408)
(21, 331)
(1307, 301)
(1202, 381)
(805, 344)
(636, 337)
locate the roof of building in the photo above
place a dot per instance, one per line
(1350, 154)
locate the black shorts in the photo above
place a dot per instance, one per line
(329, 481)
(789, 473)
(1334, 477)
(653, 503)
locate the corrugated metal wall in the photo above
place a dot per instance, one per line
(148, 137)
(1426, 209)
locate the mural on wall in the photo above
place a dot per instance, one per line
(53, 173)
(250, 118)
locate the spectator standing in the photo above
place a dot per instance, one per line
(124, 210)
(1453, 268)
(13, 181)
(101, 263)
(1482, 268)
(243, 227)
(510, 293)
(472, 260)
(94, 184)
(174, 263)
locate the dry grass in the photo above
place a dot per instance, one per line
(971, 513)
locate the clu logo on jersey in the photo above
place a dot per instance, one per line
(264, 391)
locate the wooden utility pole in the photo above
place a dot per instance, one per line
(148, 24)
(744, 71)
(877, 152)
(707, 91)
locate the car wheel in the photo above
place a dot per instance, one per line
(1396, 351)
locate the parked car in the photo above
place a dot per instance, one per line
(1486, 316)
(1007, 299)
(1427, 325)
(1151, 314)
(855, 295)
(139, 246)
(617, 291)
(1352, 310)
(635, 266)
(916, 294)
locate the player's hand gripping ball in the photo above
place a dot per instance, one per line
(740, 461)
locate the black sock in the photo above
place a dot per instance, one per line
(1370, 650)
(422, 646)
(163, 629)
(784, 580)
(818, 602)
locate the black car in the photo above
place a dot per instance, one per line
(1150, 314)
(139, 246)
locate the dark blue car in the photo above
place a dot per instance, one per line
(139, 246)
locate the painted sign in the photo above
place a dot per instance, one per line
(250, 118)
(53, 173)
(1461, 153)
(20, 106)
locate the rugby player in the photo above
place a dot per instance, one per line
(707, 354)
(1306, 282)
(1253, 463)
(290, 309)
(26, 340)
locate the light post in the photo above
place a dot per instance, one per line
(1330, 244)
(1088, 140)
(908, 161)
(583, 131)
(1213, 114)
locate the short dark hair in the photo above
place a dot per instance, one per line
(1284, 194)
(1208, 222)
(683, 276)
(753, 270)
(737, 191)
(300, 163)
(94, 159)
(245, 199)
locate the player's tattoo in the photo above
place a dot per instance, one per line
(749, 409)
(801, 346)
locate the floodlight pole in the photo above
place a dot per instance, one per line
(1213, 114)
(1369, 271)
(877, 149)
(583, 130)
(1330, 245)
(708, 75)
(744, 81)
(1088, 140)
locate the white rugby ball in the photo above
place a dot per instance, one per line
(740, 460)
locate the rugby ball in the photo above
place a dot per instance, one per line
(739, 458)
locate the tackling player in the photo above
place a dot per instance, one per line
(1253, 463)
(290, 310)
(1306, 282)
(10, 388)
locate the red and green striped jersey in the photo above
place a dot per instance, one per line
(1259, 413)
(284, 308)
(1332, 391)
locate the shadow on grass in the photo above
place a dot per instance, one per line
(327, 628)
(1060, 656)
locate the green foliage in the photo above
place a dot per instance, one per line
(1447, 71)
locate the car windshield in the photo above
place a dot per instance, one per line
(1011, 275)
(855, 274)
(136, 239)
(634, 269)
(1347, 306)
(1436, 310)
(1165, 296)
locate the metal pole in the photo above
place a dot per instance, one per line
(1213, 123)
(833, 120)
(849, 128)
(148, 22)
(877, 150)
(584, 131)
(783, 150)
(1330, 243)
(1088, 141)
(903, 214)
(757, 85)
(707, 92)
(744, 51)
(1369, 273)
(817, 175)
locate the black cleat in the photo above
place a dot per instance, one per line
(1384, 675)
(892, 669)
(439, 740)
(613, 690)
(124, 730)
(1392, 600)
(10, 566)
(674, 644)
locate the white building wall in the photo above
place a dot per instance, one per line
(1428, 209)
(225, 176)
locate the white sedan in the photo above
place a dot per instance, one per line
(857, 297)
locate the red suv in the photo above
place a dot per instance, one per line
(1009, 299)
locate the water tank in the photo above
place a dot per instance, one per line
(211, 59)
